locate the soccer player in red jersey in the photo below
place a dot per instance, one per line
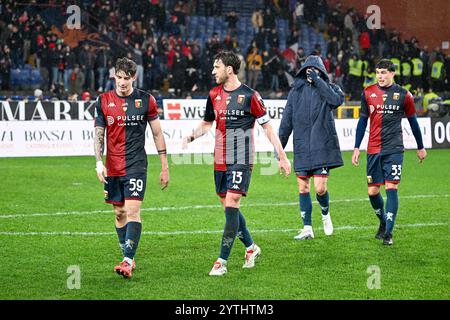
(385, 103)
(124, 113)
(234, 107)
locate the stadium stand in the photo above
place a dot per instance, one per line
(35, 54)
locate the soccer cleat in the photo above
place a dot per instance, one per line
(124, 269)
(250, 256)
(387, 240)
(305, 234)
(327, 224)
(219, 269)
(380, 232)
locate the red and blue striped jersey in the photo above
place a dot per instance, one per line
(125, 120)
(386, 107)
(235, 113)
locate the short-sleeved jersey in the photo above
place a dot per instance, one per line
(386, 107)
(235, 113)
(125, 120)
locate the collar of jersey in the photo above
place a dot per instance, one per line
(227, 91)
(124, 97)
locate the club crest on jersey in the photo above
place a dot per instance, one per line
(384, 97)
(396, 96)
(228, 100)
(138, 103)
(241, 99)
(125, 106)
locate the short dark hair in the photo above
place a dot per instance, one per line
(229, 58)
(126, 65)
(386, 64)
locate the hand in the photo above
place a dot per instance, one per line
(187, 140)
(311, 75)
(355, 157)
(285, 165)
(421, 154)
(164, 179)
(101, 172)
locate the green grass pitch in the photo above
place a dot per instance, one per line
(53, 216)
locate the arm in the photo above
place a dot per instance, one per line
(284, 164)
(421, 152)
(331, 92)
(99, 140)
(410, 111)
(204, 126)
(360, 131)
(99, 147)
(285, 129)
(202, 129)
(160, 143)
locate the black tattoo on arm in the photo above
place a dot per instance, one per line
(99, 143)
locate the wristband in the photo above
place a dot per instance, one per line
(99, 167)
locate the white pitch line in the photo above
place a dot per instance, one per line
(212, 206)
(192, 232)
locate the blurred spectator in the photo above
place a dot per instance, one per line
(76, 80)
(86, 96)
(38, 95)
(111, 73)
(254, 64)
(257, 20)
(101, 64)
(299, 13)
(86, 59)
(69, 64)
(232, 19)
(5, 66)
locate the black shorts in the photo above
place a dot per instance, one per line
(384, 168)
(319, 172)
(130, 187)
(236, 180)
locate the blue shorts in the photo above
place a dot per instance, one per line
(233, 180)
(130, 187)
(384, 168)
(320, 172)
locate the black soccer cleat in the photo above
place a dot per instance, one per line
(380, 232)
(387, 240)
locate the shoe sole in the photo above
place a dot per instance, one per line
(123, 274)
(305, 238)
(216, 274)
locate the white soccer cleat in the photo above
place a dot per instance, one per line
(250, 256)
(327, 224)
(305, 234)
(219, 269)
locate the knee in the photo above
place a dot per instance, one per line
(120, 214)
(373, 191)
(133, 215)
(232, 200)
(321, 190)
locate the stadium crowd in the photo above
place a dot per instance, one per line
(155, 35)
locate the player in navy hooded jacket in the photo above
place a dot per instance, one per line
(308, 113)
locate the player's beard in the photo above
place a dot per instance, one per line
(222, 79)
